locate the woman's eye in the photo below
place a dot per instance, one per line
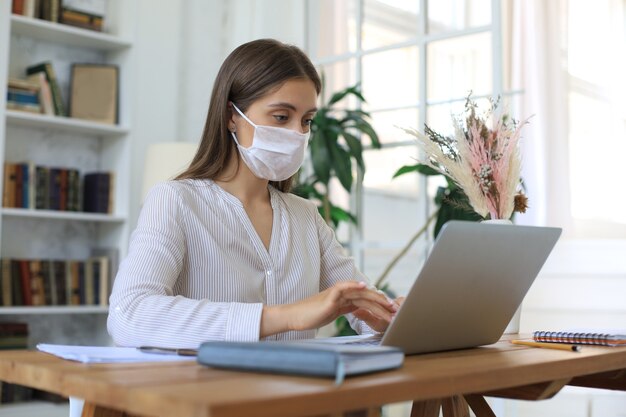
(280, 117)
(307, 122)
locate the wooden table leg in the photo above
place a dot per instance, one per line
(479, 405)
(455, 407)
(426, 408)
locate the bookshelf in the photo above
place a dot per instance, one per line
(27, 233)
(64, 124)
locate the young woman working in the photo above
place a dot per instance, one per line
(224, 252)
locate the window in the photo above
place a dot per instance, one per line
(416, 61)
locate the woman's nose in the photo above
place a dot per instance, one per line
(300, 128)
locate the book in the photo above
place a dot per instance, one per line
(30, 108)
(94, 92)
(49, 10)
(46, 68)
(10, 180)
(31, 8)
(73, 190)
(23, 97)
(602, 337)
(17, 7)
(24, 84)
(73, 17)
(7, 290)
(42, 188)
(45, 94)
(98, 192)
(54, 189)
(112, 255)
(300, 358)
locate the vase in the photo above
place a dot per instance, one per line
(513, 326)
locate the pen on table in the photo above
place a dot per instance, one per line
(559, 346)
(168, 351)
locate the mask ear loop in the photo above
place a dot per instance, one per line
(243, 115)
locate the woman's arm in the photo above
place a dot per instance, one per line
(143, 307)
(321, 309)
(336, 267)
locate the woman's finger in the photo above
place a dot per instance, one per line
(372, 321)
(374, 308)
(372, 296)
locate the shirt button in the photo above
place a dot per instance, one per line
(268, 272)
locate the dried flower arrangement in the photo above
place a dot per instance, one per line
(484, 161)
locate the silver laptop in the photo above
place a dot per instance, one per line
(473, 281)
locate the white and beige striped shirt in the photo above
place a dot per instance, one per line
(197, 270)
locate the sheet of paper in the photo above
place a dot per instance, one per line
(106, 354)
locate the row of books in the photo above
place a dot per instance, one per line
(14, 335)
(31, 186)
(51, 282)
(93, 95)
(58, 12)
(38, 93)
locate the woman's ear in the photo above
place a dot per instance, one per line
(231, 121)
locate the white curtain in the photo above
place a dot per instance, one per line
(569, 58)
(537, 66)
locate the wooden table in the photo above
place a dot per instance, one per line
(450, 380)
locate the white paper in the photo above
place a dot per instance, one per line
(105, 354)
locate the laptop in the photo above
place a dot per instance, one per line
(471, 285)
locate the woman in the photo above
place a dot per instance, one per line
(224, 252)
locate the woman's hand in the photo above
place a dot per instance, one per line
(377, 323)
(321, 309)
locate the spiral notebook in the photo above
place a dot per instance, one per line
(600, 337)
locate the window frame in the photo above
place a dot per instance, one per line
(356, 242)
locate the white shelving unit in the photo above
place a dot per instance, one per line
(62, 215)
(8, 311)
(17, 118)
(65, 142)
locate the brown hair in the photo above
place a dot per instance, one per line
(251, 71)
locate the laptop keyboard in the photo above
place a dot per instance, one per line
(369, 341)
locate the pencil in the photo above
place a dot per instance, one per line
(559, 346)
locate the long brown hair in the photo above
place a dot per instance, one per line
(248, 73)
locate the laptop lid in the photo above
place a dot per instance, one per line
(473, 281)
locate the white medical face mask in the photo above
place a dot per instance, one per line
(276, 153)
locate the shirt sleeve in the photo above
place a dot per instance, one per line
(143, 308)
(337, 266)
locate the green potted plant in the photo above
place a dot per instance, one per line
(335, 150)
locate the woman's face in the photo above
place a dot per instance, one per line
(291, 106)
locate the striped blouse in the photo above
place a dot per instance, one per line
(197, 270)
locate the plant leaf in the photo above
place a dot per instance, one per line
(454, 205)
(419, 168)
(342, 165)
(320, 157)
(367, 128)
(341, 215)
(355, 148)
(340, 95)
